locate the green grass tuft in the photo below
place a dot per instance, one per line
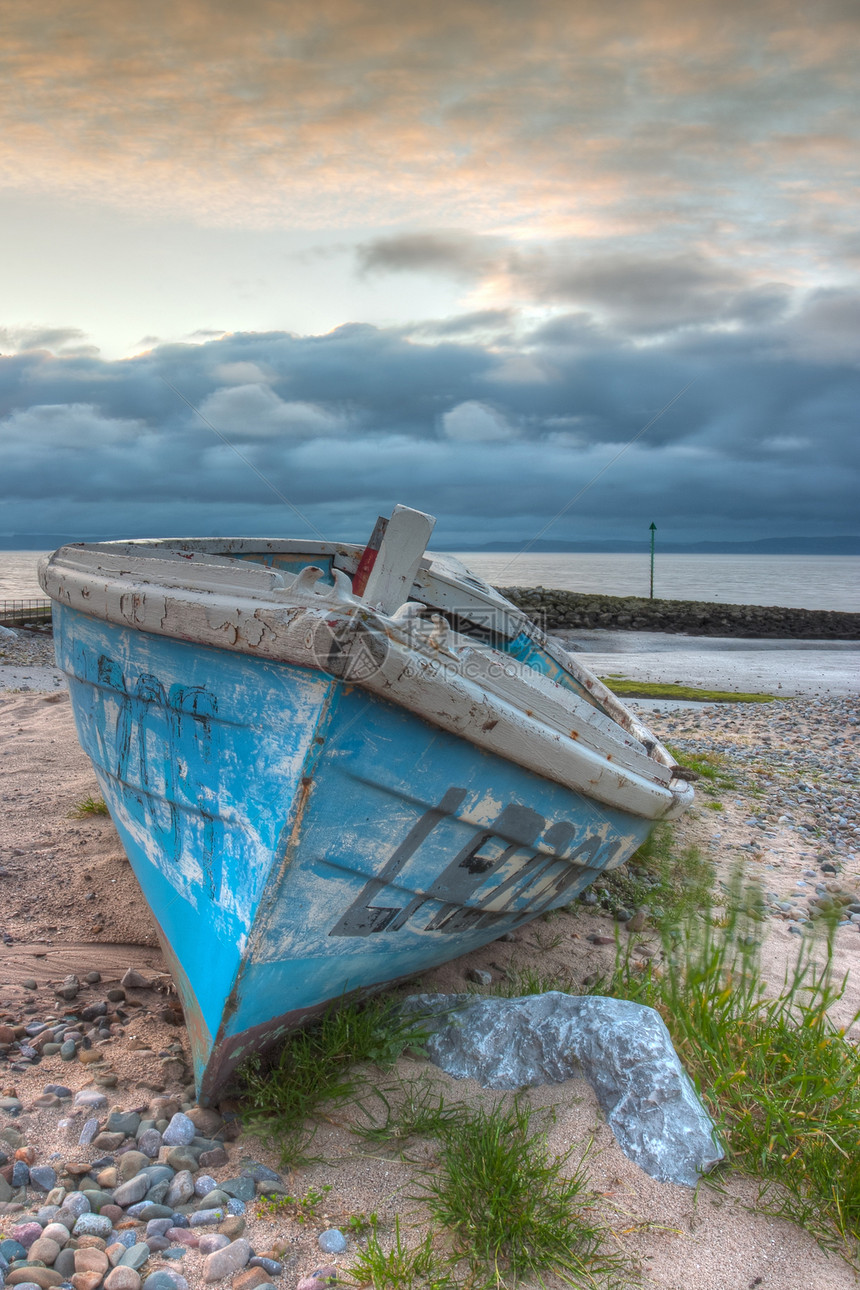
(673, 884)
(522, 979)
(400, 1267)
(88, 806)
(411, 1109)
(625, 687)
(282, 1092)
(779, 1076)
(511, 1211)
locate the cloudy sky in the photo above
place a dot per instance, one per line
(457, 255)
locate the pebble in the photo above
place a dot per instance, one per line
(163, 1280)
(150, 1143)
(124, 1122)
(128, 1193)
(131, 1163)
(180, 1132)
(76, 1203)
(241, 1188)
(122, 1278)
(272, 1266)
(212, 1241)
(44, 1250)
(12, 1249)
(57, 1232)
(158, 1226)
(206, 1217)
(135, 1256)
(93, 1225)
(224, 1263)
(203, 1184)
(332, 1241)
(44, 1278)
(183, 1235)
(26, 1233)
(181, 1189)
(90, 1260)
(43, 1177)
(250, 1279)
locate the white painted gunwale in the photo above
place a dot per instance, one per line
(194, 591)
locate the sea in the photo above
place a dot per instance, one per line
(794, 581)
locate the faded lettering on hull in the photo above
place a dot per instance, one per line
(539, 863)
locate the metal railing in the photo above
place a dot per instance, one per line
(15, 613)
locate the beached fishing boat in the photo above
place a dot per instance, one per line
(332, 767)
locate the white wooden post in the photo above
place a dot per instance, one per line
(400, 553)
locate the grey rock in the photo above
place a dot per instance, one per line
(159, 1281)
(206, 1217)
(88, 1132)
(93, 1225)
(179, 1132)
(224, 1263)
(236, 1206)
(135, 1256)
(242, 1187)
(147, 1210)
(91, 1100)
(124, 1122)
(43, 1177)
(181, 1189)
(98, 1198)
(158, 1226)
(623, 1049)
(272, 1266)
(20, 1174)
(149, 1143)
(216, 1199)
(261, 1173)
(332, 1241)
(479, 976)
(129, 1193)
(77, 1203)
(182, 1158)
(203, 1184)
(157, 1193)
(64, 1263)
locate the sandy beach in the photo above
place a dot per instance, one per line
(70, 904)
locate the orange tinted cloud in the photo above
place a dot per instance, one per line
(551, 116)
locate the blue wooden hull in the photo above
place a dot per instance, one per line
(298, 838)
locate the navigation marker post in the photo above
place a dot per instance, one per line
(653, 531)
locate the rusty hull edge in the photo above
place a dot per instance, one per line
(230, 1051)
(198, 1032)
(220, 1060)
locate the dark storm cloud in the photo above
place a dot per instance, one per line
(462, 255)
(492, 437)
(639, 292)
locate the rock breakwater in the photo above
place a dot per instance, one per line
(557, 610)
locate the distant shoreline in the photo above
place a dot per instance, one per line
(571, 610)
(843, 544)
